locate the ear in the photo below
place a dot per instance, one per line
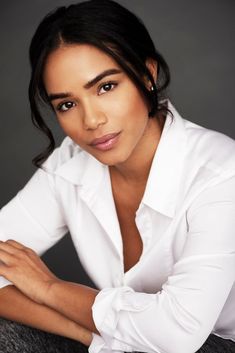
(152, 66)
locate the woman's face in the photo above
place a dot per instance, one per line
(96, 103)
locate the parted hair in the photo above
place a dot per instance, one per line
(111, 28)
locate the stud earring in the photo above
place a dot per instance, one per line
(152, 89)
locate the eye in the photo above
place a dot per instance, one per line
(64, 107)
(108, 86)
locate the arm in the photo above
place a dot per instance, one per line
(17, 307)
(34, 218)
(73, 300)
(186, 308)
(188, 305)
(190, 302)
(24, 268)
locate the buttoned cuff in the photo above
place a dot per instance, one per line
(98, 345)
(106, 313)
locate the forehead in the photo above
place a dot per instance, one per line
(84, 60)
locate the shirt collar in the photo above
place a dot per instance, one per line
(82, 169)
(164, 177)
(165, 173)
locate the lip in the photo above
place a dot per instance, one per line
(105, 142)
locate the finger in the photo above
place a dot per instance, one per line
(15, 248)
(5, 257)
(20, 246)
(4, 246)
(3, 270)
(15, 243)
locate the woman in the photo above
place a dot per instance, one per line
(147, 196)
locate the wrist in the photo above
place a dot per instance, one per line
(79, 333)
(50, 293)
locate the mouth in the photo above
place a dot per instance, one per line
(105, 142)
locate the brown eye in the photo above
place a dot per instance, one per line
(109, 86)
(65, 106)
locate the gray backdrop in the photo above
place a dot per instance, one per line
(197, 40)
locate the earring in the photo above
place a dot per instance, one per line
(153, 89)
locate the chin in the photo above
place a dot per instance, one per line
(112, 159)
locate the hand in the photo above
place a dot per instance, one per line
(24, 268)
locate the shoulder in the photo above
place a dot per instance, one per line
(209, 149)
(202, 157)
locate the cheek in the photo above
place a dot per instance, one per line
(71, 128)
(138, 104)
(136, 113)
(125, 103)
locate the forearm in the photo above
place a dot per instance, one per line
(73, 301)
(23, 267)
(17, 307)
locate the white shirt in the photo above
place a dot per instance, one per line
(182, 287)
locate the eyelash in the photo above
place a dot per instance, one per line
(59, 108)
(108, 83)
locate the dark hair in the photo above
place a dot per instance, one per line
(108, 26)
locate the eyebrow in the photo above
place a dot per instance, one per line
(89, 84)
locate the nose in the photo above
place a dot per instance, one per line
(93, 118)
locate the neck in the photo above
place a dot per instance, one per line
(135, 170)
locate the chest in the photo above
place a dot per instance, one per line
(126, 204)
(93, 224)
(131, 239)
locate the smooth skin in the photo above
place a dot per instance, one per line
(85, 111)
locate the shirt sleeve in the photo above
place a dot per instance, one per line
(187, 307)
(34, 216)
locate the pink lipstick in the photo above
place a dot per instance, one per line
(105, 142)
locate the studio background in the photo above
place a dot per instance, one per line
(195, 37)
